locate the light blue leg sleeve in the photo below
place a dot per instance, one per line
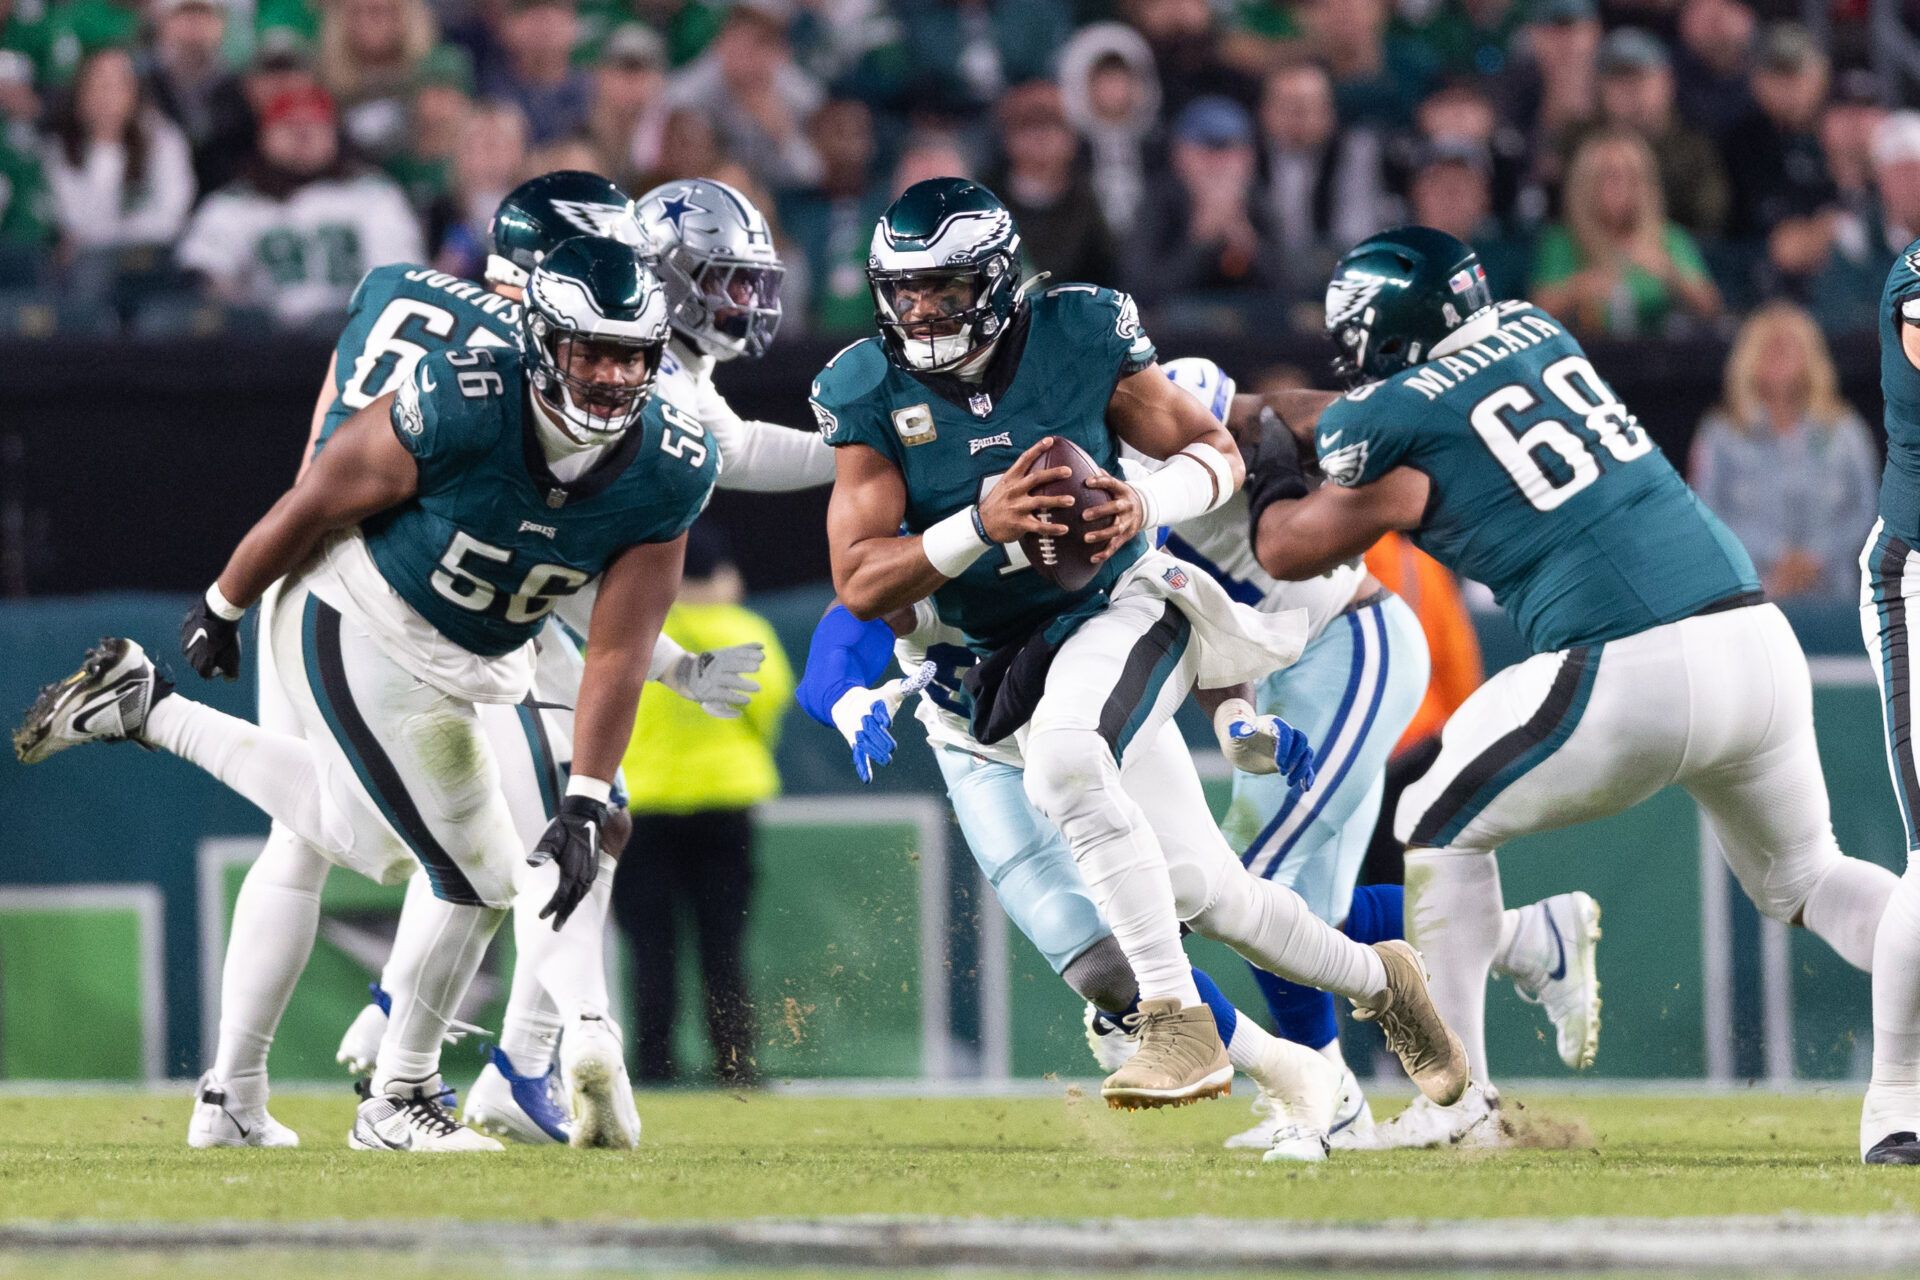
(1022, 856)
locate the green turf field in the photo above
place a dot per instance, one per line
(708, 1156)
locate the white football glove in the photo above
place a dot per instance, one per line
(864, 718)
(1253, 743)
(717, 679)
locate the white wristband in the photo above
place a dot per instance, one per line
(954, 543)
(591, 788)
(221, 607)
(1193, 482)
(667, 654)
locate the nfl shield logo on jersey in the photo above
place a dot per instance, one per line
(1176, 577)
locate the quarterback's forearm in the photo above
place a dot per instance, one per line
(877, 576)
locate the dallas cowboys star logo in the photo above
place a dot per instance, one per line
(676, 211)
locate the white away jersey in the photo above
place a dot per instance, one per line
(300, 257)
(759, 456)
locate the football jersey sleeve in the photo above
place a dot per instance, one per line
(842, 401)
(1111, 324)
(435, 422)
(1360, 437)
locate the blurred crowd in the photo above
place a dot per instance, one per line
(1642, 167)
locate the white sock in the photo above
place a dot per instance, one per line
(275, 919)
(1271, 926)
(413, 933)
(276, 771)
(1513, 958)
(1845, 907)
(1453, 919)
(530, 1027)
(568, 963)
(431, 969)
(1298, 1078)
(1331, 1052)
(1896, 989)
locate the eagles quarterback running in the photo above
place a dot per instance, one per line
(938, 424)
(1483, 430)
(429, 540)
(1356, 685)
(1890, 584)
(713, 252)
(1027, 864)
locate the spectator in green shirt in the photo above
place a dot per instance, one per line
(1616, 264)
(23, 30)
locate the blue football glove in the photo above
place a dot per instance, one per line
(1255, 743)
(864, 718)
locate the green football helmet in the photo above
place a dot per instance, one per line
(947, 247)
(1396, 295)
(594, 307)
(541, 212)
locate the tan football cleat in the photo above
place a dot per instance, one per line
(1426, 1047)
(1180, 1059)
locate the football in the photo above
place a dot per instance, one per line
(1068, 561)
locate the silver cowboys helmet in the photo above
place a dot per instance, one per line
(594, 305)
(715, 256)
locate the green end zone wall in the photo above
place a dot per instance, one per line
(869, 952)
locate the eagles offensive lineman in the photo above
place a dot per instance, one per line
(1355, 687)
(1484, 431)
(429, 540)
(1890, 1120)
(938, 424)
(714, 254)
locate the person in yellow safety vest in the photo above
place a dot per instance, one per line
(693, 782)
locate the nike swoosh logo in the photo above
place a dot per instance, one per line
(426, 380)
(1558, 945)
(199, 634)
(1327, 442)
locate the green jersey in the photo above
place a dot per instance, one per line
(399, 314)
(1545, 487)
(491, 539)
(952, 441)
(1900, 383)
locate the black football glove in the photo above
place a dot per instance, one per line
(210, 642)
(1275, 472)
(572, 840)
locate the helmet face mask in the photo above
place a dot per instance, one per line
(1396, 296)
(937, 320)
(944, 273)
(594, 328)
(714, 252)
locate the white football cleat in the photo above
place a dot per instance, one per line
(1113, 1046)
(106, 700)
(518, 1108)
(1474, 1121)
(221, 1118)
(594, 1069)
(1297, 1144)
(359, 1049)
(1350, 1112)
(414, 1120)
(1569, 988)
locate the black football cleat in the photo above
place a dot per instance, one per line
(1896, 1148)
